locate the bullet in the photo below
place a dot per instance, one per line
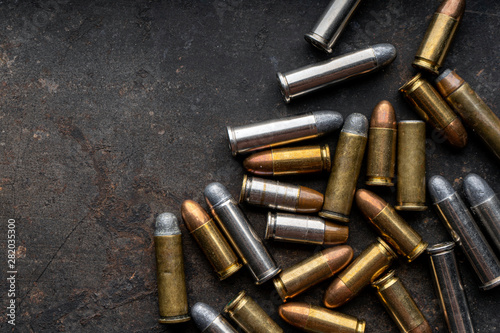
(210, 321)
(172, 295)
(330, 25)
(312, 318)
(346, 167)
(301, 81)
(382, 145)
(485, 205)
(250, 316)
(464, 231)
(400, 305)
(209, 238)
(410, 189)
(304, 229)
(393, 229)
(474, 112)
(449, 288)
(439, 34)
(372, 262)
(240, 234)
(289, 161)
(278, 132)
(429, 105)
(281, 196)
(307, 273)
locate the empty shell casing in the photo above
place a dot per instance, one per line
(370, 263)
(313, 77)
(210, 321)
(312, 318)
(331, 24)
(304, 229)
(305, 274)
(289, 161)
(239, 232)
(282, 196)
(250, 316)
(474, 112)
(172, 295)
(463, 229)
(429, 105)
(381, 159)
(410, 189)
(346, 167)
(439, 34)
(277, 132)
(449, 288)
(400, 305)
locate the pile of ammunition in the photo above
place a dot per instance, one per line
(231, 242)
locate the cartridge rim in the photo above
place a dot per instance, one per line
(360, 328)
(284, 87)
(333, 216)
(318, 41)
(280, 288)
(268, 275)
(229, 271)
(411, 207)
(270, 226)
(380, 283)
(417, 251)
(236, 303)
(379, 181)
(491, 284)
(243, 188)
(429, 66)
(233, 143)
(387, 248)
(174, 319)
(409, 86)
(325, 155)
(440, 248)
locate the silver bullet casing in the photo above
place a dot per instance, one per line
(239, 232)
(210, 321)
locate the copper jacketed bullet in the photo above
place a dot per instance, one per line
(210, 239)
(289, 161)
(316, 319)
(210, 321)
(305, 274)
(382, 145)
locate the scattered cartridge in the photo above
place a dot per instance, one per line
(393, 229)
(372, 262)
(400, 305)
(313, 77)
(172, 295)
(382, 146)
(250, 316)
(277, 132)
(282, 196)
(330, 25)
(304, 229)
(410, 189)
(210, 321)
(449, 288)
(346, 167)
(474, 112)
(319, 267)
(439, 34)
(289, 161)
(209, 238)
(429, 105)
(312, 318)
(239, 232)
(463, 229)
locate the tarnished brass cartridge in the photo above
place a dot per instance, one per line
(393, 229)
(400, 305)
(474, 112)
(382, 146)
(410, 189)
(316, 319)
(282, 196)
(305, 274)
(372, 262)
(210, 321)
(439, 34)
(289, 161)
(209, 238)
(172, 295)
(250, 316)
(429, 105)
(304, 229)
(346, 167)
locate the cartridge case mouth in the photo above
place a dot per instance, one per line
(174, 319)
(416, 207)
(233, 143)
(490, 284)
(270, 226)
(379, 181)
(334, 216)
(411, 85)
(284, 87)
(268, 275)
(318, 42)
(280, 288)
(243, 189)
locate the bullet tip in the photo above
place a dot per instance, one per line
(167, 225)
(385, 54)
(216, 193)
(295, 313)
(439, 188)
(383, 116)
(356, 123)
(203, 315)
(337, 294)
(369, 203)
(477, 189)
(193, 214)
(456, 134)
(327, 121)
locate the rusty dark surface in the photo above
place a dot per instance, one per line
(115, 111)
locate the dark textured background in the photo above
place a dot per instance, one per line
(115, 111)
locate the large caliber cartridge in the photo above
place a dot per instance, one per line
(346, 167)
(172, 295)
(305, 274)
(210, 321)
(277, 132)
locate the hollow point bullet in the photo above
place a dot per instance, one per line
(210, 321)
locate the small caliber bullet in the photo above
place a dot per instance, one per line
(210, 321)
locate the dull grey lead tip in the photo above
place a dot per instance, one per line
(477, 189)
(203, 315)
(385, 53)
(439, 188)
(356, 123)
(327, 121)
(167, 225)
(216, 193)
(443, 75)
